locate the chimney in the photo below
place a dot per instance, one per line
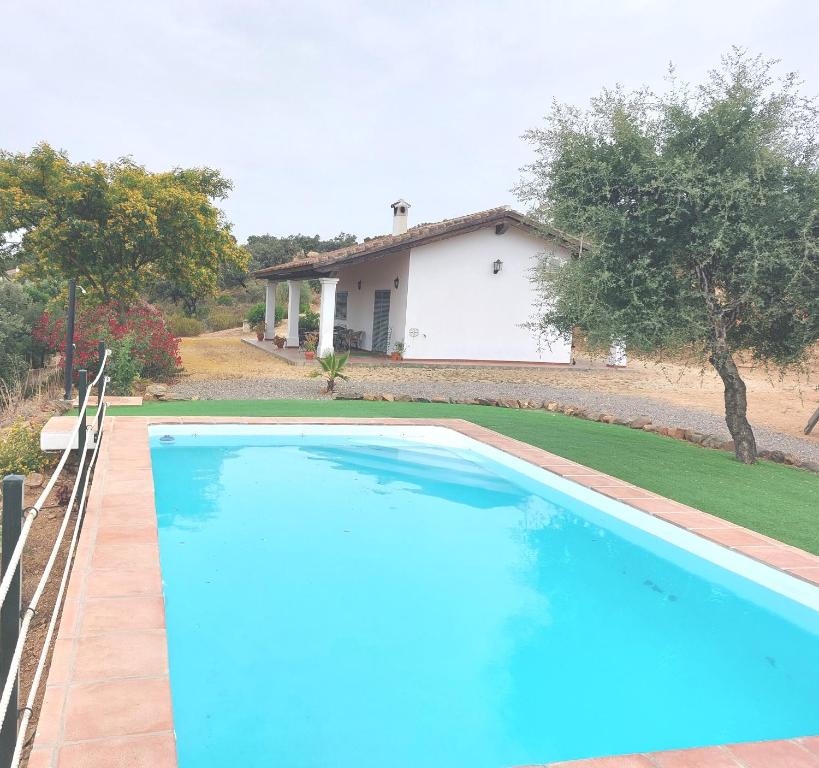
(399, 216)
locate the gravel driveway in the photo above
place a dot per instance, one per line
(623, 406)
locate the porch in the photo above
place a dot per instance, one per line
(295, 356)
(361, 307)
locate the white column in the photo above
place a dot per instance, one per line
(293, 296)
(327, 315)
(617, 355)
(270, 310)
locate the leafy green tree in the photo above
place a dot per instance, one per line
(116, 227)
(269, 250)
(18, 313)
(699, 213)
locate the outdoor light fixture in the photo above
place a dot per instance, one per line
(359, 285)
(496, 266)
(396, 282)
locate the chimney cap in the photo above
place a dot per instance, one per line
(400, 202)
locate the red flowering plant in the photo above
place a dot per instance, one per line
(154, 347)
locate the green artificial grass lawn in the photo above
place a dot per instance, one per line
(773, 499)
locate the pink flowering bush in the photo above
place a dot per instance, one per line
(154, 347)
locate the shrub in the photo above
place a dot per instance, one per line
(17, 316)
(155, 347)
(124, 367)
(310, 321)
(221, 320)
(332, 368)
(179, 326)
(255, 314)
(20, 452)
(225, 300)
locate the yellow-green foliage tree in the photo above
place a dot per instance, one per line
(116, 227)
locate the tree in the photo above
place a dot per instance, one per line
(269, 250)
(17, 315)
(116, 227)
(699, 212)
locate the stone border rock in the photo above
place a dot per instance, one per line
(641, 422)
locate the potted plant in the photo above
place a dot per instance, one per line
(260, 329)
(279, 341)
(397, 351)
(310, 344)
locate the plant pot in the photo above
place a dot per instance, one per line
(260, 335)
(309, 355)
(279, 344)
(395, 356)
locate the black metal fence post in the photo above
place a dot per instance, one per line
(10, 610)
(82, 388)
(69, 338)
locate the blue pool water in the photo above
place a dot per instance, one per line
(361, 602)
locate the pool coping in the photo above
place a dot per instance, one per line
(108, 698)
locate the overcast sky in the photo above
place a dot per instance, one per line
(323, 113)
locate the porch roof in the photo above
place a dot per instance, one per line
(323, 264)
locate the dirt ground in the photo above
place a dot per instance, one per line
(784, 403)
(36, 553)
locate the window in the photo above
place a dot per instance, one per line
(341, 306)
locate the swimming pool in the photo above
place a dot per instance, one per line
(361, 596)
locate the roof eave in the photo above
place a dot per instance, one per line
(312, 271)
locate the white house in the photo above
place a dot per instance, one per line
(459, 289)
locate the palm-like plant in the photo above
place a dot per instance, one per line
(332, 367)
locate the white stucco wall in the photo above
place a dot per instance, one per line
(464, 312)
(378, 274)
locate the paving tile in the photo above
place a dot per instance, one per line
(779, 556)
(134, 488)
(154, 750)
(733, 537)
(127, 534)
(51, 712)
(60, 669)
(808, 574)
(811, 743)
(661, 506)
(121, 708)
(106, 583)
(142, 513)
(130, 501)
(132, 556)
(137, 653)
(705, 757)
(69, 619)
(773, 754)
(695, 521)
(114, 614)
(41, 758)
(627, 492)
(624, 761)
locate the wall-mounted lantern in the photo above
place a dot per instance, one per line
(496, 266)
(396, 282)
(359, 285)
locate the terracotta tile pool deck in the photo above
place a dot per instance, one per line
(107, 702)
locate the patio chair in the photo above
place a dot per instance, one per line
(356, 339)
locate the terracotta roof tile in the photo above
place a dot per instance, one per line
(315, 264)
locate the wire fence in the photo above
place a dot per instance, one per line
(17, 522)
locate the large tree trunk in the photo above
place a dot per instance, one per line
(736, 403)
